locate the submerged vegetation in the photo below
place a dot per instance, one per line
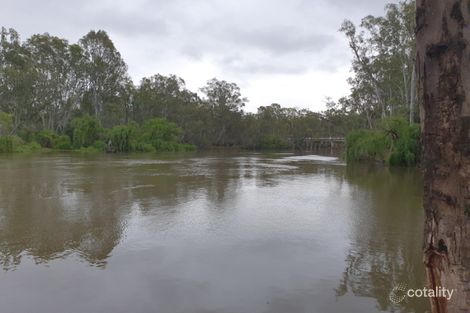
(395, 143)
(58, 95)
(86, 134)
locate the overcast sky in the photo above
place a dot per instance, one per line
(283, 51)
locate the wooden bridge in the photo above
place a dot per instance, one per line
(325, 144)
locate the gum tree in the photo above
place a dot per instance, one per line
(443, 70)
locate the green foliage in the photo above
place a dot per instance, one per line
(9, 144)
(51, 140)
(405, 138)
(62, 142)
(162, 96)
(272, 142)
(186, 147)
(46, 138)
(80, 95)
(144, 147)
(6, 144)
(364, 145)
(155, 135)
(86, 130)
(121, 138)
(106, 74)
(99, 145)
(27, 147)
(396, 143)
(162, 135)
(6, 123)
(27, 134)
(383, 50)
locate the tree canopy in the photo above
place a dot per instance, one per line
(47, 82)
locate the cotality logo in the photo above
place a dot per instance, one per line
(398, 293)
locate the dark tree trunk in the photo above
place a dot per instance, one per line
(443, 69)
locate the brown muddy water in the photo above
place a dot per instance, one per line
(206, 233)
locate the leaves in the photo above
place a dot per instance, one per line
(383, 50)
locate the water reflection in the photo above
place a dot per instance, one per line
(386, 235)
(51, 207)
(54, 207)
(207, 233)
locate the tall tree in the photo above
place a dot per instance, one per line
(443, 69)
(162, 96)
(58, 85)
(106, 72)
(17, 77)
(226, 104)
(383, 50)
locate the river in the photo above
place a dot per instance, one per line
(206, 233)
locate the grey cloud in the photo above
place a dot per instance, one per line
(236, 63)
(192, 51)
(281, 39)
(131, 24)
(272, 68)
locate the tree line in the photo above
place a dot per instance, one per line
(46, 83)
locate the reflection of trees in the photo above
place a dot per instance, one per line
(48, 211)
(56, 206)
(386, 235)
(53, 207)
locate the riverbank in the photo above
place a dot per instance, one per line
(86, 134)
(395, 142)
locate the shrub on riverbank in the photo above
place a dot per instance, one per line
(27, 147)
(366, 145)
(122, 138)
(396, 142)
(272, 142)
(51, 140)
(85, 131)
(86, 134)
(6, 144)
(155, 135)
(9, 144)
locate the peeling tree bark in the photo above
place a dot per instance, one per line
(443, 70)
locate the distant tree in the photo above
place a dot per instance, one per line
(105, 73)
(226, 104)
(55, 92)
(58, 88)
(17, 77)
(162, 96)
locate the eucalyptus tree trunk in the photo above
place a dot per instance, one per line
(443, 70)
